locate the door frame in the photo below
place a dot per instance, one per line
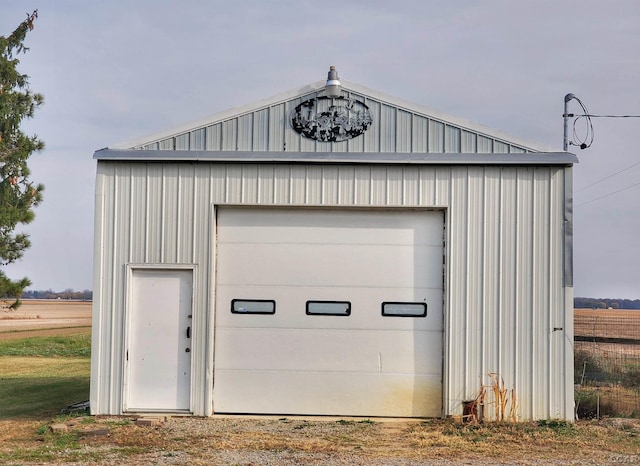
(128, 314)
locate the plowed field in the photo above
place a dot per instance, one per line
(45, 317)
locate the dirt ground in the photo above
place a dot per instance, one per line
(44, 317)
(609, 323)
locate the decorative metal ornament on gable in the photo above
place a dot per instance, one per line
(325, 120)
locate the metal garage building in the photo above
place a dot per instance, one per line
(332, 250)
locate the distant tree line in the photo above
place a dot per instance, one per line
(606, 303)
(86, 295)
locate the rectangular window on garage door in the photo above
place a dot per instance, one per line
(328, 308)
(253, 306)
(398, 309)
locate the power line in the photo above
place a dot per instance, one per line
(610, 194)
(612, 116)
(607, 177)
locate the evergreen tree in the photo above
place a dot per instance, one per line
(18, 195)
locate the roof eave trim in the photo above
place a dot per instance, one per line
(526, 158)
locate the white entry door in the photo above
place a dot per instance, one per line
(158, 354)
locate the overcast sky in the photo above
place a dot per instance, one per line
(116, 70)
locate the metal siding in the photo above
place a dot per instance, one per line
(564, 364)
(260, 134)
(138, 220)
(182, 142)
(524, 291)
(277, 126)
(292, 140)
(314, 185)
(346, 188)
(452, 139)
(419, 133)
(330, 178)
(443, 184)
(356, 144)
(540, 317)
(203, 322)
(561, 359)
(500, 147)
(153, 251)
(214, 137)
(233, 193)
(378, 185)
(474, 258)
(426, 186)
(265, 184)
(184, 215)
(403, 132)
(410, 186)
(298, 185)
(169, 214)
(508, 284)
(101, 389)
(167, 144)
(341, 147)
(468, 142)
(249, 189)
(396, 127)
(485, 145)
(504, 291)
(490, 272)
(281, 184)
(219, 182)
(245, 133)
(120, 244)
(229, 135)
(373, 134)
(362, 185)
(198, 139)
(456, 283)
(395, 186)
(436, 136)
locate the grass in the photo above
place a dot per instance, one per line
(47, 347)
(40, 376)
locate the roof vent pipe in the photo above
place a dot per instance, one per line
(333, 88)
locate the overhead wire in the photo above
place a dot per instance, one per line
(588, 140)
(613, 116)
(610, 194)
(582, 143)
(607, 177)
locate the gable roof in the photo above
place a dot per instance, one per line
(396, 126)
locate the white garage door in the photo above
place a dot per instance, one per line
(334, 312)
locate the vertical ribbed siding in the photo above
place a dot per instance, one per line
(394, 129)
(504, 243)
(491, 286)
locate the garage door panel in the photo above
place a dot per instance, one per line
(363, 364)
(328, 350)
(329, 264)
(357, 394)
(366, 310)
(341, 227)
